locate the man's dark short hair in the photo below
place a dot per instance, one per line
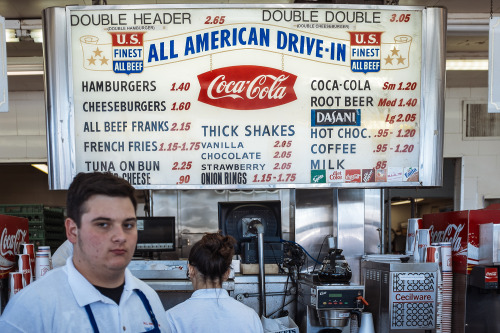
(85, 185)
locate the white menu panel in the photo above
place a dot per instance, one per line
(227, 97)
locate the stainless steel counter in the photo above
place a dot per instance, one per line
(185, 284)
(168, 278)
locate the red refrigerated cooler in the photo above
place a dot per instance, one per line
(473, 306)
(13, 233)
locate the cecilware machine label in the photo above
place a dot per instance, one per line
(223, 97)
(413, 300)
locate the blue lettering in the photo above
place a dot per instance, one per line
(189, 49)
(341, 52)
(153, 54)
(224, 38)
(163, 56)
(319, 48)
(264, 37)
(202, 42)
(252, 38)
(293, 43)
(282, 40)
(240, 36)
(214, 39)
(310, 44)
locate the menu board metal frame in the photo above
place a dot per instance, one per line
(71, 54)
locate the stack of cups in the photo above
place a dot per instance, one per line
(24, 265)
(424, 240)
(411, 235)
(15, 283)
(447, 274)
(24, 275)
(434, 255)
(29, 249)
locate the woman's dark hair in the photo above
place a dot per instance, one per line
(212, 255)
(85, 185)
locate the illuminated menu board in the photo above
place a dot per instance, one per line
(247, 96)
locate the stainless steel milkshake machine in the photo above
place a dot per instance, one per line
(326, 299)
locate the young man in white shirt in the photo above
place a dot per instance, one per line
(94, 291)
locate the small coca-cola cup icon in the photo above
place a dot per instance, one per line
(24, 265)
(15, 283)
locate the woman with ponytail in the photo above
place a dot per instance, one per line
(210, 308)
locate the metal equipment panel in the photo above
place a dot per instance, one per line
(402, 296)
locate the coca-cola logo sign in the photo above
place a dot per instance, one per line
(246, 87)
(13, 232)
(450, 234)
(491, 274)
(9, 243)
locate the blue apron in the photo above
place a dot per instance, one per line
(146, 304)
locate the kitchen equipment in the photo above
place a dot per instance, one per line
(326, 305)
(154, 235)
(402, 295)
(335, 268)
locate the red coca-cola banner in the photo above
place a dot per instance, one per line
(13, 232)
(461, 229)
(246, 87)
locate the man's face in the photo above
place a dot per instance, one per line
(106, 239)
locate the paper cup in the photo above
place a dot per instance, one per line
(29, 249)
(24, 265)
(42, 264)
(424, 240)
(15, 283)
(411, 235)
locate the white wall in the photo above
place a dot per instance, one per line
(480, 157)
(22, 129)
(23, 139)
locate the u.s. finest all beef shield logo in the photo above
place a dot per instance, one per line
(246, 87)
(128, 52)
(365, 51)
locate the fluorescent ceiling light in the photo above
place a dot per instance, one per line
(25, 73)
(467, 64)
(24, 66)
(10, 36)
(37, 35)
(41, 167)
(404, 202)
(27, 34)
